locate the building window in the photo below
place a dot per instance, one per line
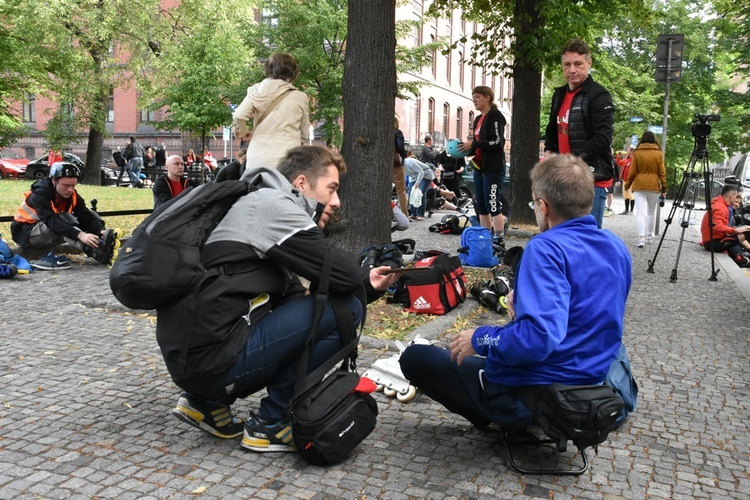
(418, 118)
(461, 70)
(459, 122)
(500, 89)
(473, 76)
(434, 58)
(510, 90)
(148, 116)
(111, 106)
(471, 125)
(446, 119)
(430, 115)
(448, 65)
(29, 108)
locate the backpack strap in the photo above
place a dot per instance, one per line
(305, 381)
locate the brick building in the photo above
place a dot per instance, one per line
(443, 107)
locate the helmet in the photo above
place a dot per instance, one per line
(452, 148)
(65, 169)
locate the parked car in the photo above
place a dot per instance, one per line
(12, 165)
(39, 169)
(467, 182)
(697, 189)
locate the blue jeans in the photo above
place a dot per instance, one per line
(489, 189)
(134, 170)
(464, 389)
(600, 202)
(269, 359)
(419, 211)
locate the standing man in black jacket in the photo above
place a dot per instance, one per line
(581, 122)
(134, 153)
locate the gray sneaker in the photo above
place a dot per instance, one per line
(212, 417)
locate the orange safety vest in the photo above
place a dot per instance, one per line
(27, 215)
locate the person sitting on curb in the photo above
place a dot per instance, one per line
(172, 183)
(53, 213)
(723, 237)
(249, 326)
(566, 328)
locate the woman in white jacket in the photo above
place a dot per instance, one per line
(280, 114)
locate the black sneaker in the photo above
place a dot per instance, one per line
(263, 437)
(214, 418)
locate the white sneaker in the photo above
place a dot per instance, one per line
(641, 243)
(650, 238)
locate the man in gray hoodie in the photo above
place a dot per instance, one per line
(248, 327)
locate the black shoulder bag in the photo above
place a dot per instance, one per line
(330, 416)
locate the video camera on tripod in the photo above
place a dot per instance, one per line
(685, 197)
(701, 130)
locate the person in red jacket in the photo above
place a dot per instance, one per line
(723, 237)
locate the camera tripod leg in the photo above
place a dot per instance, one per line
(668, 221)
(673, 276)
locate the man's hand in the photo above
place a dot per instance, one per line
(461, 347)
(511, 309)
(464, 147)
(88, 239)
(742, 229)
(381, 279)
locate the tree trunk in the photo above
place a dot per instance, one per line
(92, 172)
(369, 92)
(524, 134)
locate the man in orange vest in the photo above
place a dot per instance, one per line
(53, 213)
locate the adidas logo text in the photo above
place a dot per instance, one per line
(421, 303)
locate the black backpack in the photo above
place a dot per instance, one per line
(161, 261)
(585, 414)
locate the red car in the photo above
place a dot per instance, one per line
(12, 165)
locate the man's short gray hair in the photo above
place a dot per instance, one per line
(565, 183)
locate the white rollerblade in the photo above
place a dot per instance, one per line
(388, 377)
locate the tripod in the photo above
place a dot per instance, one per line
(685, 199)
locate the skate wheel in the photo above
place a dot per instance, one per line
(117, 244)
(408, 396)
(389, 392)
(502, 304)
(379, 387)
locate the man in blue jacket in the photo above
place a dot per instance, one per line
(567, 310)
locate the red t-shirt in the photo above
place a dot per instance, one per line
(563, 116)
(176, 187)
(477, 129)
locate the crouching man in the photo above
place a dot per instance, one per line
(245, 330)
(567, 311)
(53, 213)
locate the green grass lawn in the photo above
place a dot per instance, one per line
(109, 198)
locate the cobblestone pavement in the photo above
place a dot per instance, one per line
(85, 402)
